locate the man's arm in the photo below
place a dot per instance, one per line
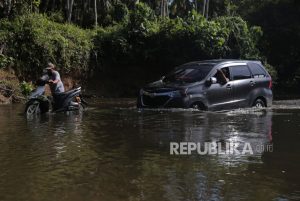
(56, 80)
(223, 77)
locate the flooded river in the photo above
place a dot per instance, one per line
(115, 152)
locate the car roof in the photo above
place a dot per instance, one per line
(215, 62)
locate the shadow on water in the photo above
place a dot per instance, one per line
(121, 153)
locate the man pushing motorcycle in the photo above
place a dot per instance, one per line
(54, 80)
(61, 102)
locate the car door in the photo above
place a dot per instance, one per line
(220, 95)
(243, 84)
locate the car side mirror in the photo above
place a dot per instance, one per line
(211, 81)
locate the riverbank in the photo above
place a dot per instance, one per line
(10, 91)
(102, 90)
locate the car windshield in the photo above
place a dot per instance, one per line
(189, 73)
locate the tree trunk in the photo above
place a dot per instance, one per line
(207, 9)
(53, 5)
(70, 9)
(204, 8)
(2, 48)
(9, 6)
(96, 14)
(167, 8)
(67, 8)
(164, 8)
(161, 7)
(44, 5)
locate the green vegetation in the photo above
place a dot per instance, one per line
(147, 46)
(125, 44)
(33, 40)
(26, 88)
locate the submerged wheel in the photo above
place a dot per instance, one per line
(259, 103)
(33, 109)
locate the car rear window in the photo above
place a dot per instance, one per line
(257, 70)
(240, 72)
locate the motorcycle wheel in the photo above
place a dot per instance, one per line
(33, 109)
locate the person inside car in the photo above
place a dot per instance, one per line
(222, 75)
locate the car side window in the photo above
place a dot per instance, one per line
(257, 70)
(222, 75)
(240, 72)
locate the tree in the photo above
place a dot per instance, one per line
(181, 8)
(9, 6)
(69, 9)
(205, 8)
(96, 14)
(164, 8)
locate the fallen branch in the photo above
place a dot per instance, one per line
(11, 96)
(5, 89)
(19, 97)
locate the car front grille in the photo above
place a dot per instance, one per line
(155, 101)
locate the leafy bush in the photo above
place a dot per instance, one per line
(242, 40)
(26, 88)
(120, 12)
(5, 61)
(146, 47)
(36, 40)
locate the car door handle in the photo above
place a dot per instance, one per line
(252, 83)
(228, 86)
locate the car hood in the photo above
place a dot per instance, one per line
(161, 87)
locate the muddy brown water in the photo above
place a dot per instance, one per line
(115, 152)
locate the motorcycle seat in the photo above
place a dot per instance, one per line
(63, 94)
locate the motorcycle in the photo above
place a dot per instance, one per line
(38, 103)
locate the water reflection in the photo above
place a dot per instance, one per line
(205, 177)
(162, 128)
(123, 154)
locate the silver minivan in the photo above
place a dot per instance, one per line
(210, 85)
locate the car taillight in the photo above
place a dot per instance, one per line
(270, 84)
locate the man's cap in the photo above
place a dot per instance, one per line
(50, 66)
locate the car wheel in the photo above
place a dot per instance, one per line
(259, 103)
